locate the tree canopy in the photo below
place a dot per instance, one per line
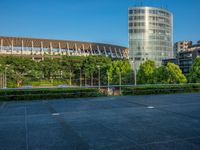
(69, 70)
(169, 74)
(84, 70)
(145, 73)
(194, 75)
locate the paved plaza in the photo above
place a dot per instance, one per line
(157, 122)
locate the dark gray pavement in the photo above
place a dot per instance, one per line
(163, 122)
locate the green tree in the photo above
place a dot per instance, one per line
(161, 75)
(19, 68)
(120, 68)
(50, 68)
(91, 66)
(175, 74)
(2, 64)
(71, 67)
(194, 75)
(67, 69)
(145, 73)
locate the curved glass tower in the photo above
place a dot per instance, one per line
(150, 34)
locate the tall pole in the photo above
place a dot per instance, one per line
(135, 76)
(108, 81)
(4, 78)
(85, 80)
(99, 76)
(135, 72)
(70, 78)
(80, 77)
(120, 83)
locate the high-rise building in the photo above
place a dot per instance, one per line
(150, 34)
(181, 46)
(185, 58)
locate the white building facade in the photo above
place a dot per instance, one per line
(150, 34)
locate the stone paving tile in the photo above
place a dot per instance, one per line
(120, 123)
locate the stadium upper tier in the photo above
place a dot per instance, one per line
(33, 47)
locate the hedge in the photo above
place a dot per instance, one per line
(38, 94)
(160, 89)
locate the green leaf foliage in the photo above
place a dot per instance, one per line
(194, 75)
(145, 74)
(175, 74)
(170, 74)
(68, 70)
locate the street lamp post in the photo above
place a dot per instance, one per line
(5, 78)
(135, 72)
(80, 77)
(99, 76)
(108, 82)
(85, 80)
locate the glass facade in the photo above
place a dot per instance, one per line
(150, 34)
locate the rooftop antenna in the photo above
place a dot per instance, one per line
(164, 4)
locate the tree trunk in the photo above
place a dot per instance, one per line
(19, 83)
(91, 79)
(85, 80)
(120, 84)
(70, 78)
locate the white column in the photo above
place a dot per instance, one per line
(104, 48)
(51, 48)
(83, 49)
(120, 53)
(68, 49)
(91, 49)
(22, 47)
(1, 44)
(32, 47)
(111, 52)
(59, 46)
(76, 49)
(42, 50)
(98, 50)
(11, 46)
(116, 53)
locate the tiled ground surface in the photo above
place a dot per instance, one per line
(102, 123)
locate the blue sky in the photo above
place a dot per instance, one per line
(90, 20)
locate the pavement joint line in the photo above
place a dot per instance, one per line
(139, 104)
(180, 114)
(158, 108)
(26, 126)
(179, 104)
(67, 128)
(121, 135)
(172, 140)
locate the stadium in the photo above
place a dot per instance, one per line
(36, 48)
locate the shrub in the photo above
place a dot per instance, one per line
(161, 89)
(36, 94)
